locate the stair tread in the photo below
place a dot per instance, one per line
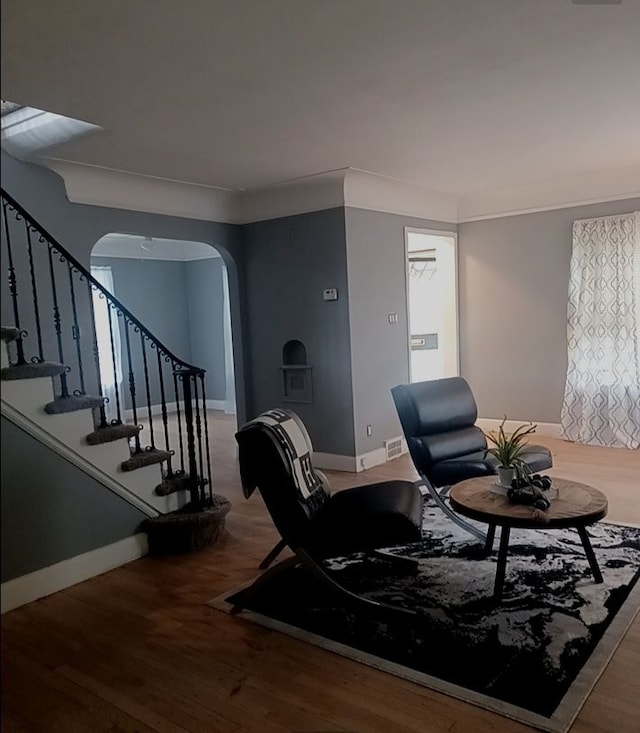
(9, 333)
(72, 403)
(32, 370)
(145, 458)
(112, 432)
(173, 484)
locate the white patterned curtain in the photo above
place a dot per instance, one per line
(602, 391)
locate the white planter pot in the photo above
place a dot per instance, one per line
(506, 476)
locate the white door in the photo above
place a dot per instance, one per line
(432, 304)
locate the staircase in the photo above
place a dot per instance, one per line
(54, 362)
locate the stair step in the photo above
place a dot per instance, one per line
(72, 403)
(9, 333)
(173, 484)
(32, 370)
(112, 432)
(145, 458)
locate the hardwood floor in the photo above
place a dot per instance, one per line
(137, 649)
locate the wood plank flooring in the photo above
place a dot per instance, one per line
(137, 649)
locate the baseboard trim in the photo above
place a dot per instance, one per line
(27, 588)
(546, 429)
(334, 462)
(372, 458)
(352, 464)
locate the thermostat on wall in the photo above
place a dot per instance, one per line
(330, 294)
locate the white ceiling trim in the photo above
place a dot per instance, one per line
(589, 188)
(88, 184)
(364, 190)
(345, 187)
(300, 196)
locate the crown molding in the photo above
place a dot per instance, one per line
(365, 190)
(349, 187)
(97, 186)
(589, 188)
(299, 196)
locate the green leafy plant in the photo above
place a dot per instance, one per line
(508, 447)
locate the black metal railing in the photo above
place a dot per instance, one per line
(55, 302)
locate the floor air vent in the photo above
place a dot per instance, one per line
(394, 448)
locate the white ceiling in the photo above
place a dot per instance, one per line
(459, 96)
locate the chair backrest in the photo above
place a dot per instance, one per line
(438, 419)
(276, 456)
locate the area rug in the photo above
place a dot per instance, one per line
(533, 657)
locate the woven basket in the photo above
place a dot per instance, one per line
(186, 530)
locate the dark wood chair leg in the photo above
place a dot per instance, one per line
(491, 534)
(502, 563)
(591, 556)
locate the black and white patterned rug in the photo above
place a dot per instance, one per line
(533, 657)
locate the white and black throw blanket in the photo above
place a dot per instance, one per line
(291, 434)
(519, 657)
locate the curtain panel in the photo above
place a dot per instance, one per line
(602, 391)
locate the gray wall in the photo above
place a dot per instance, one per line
(205, 315)
(51, 510)
(377, 287)
(154, 290)
(513, 289)
(289, 262)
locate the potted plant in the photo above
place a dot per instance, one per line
(508, 449)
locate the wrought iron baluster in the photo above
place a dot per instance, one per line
(201, 477)
(13, 288)
(96, 353)
(180, 442)
(148, 390)
(185, 377)
(114, 364)
(34, 291)
(206, 439)
(57, 323)
(132, 386)
(165, 417)
(76, 330)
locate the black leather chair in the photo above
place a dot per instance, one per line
(276, 457)
(438, 419)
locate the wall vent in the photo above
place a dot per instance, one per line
(394, 447)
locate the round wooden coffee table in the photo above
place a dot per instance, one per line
(576, 505)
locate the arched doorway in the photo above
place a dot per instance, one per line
(179, 290)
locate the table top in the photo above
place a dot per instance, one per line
(576, 504)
